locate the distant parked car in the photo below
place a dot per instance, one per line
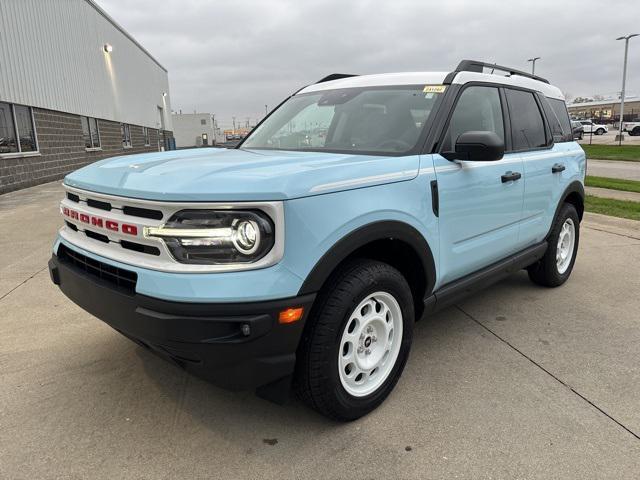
(577, 129)
(633, 128)
(596, 128)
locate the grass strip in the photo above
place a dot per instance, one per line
(613, 183)
(614, 208)
(630, 153)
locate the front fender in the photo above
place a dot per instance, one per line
(323, 230)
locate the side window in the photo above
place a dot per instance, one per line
(560, 109)
(478, 108)
(553, 121)
(527, 126)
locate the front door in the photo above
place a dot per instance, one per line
(480, 202)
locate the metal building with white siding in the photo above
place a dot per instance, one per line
(75, 87)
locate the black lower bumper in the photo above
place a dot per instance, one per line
(236, 346)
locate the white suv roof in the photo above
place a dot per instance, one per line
(460, 76)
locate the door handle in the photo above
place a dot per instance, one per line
(557, 168)
(511, 176)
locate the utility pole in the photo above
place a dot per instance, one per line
(533, 64)
(234, 125)
(265, 110)
(626, 39)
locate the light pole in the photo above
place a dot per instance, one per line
(626, 39)
(533, 64)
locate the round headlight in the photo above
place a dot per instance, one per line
(246, 236)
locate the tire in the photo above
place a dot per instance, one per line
(551, 271)
(635, 132)
(334, 342)
(600, 131)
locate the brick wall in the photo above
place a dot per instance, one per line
(62, 149)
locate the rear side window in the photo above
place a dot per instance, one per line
(478, 108)
(527, 126)
(560, 109)
(552, 120)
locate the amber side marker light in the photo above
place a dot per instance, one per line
(290, 315)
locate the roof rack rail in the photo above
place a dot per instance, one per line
(336, 76)
(478, 67)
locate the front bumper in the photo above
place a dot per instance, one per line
(234, 345)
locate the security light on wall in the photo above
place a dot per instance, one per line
(108, 48)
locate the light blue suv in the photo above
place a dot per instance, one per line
(303, 257)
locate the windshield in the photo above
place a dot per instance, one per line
(380, 120)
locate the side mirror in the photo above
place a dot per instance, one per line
(479, 146)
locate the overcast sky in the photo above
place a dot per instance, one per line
(233, 57)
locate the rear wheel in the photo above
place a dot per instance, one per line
(555, 267)
(357, 341)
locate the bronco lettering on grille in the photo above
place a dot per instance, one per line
(100, 222)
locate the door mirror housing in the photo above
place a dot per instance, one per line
(477, 146)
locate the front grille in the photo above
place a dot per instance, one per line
(96, 236)
(142, 212)
(98, 204)
(118, 277)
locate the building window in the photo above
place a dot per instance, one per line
(17, 130)
(90, 132)
(203, 121)
(126, 135)
(145, 134)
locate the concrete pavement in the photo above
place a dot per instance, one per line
(615, 194)
(614, 169)
(517, 382)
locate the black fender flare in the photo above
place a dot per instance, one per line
(574, 187)
(382, 230)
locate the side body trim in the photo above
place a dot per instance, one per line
(454, 291)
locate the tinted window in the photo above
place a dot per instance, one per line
(8, 142)
(527, 126)
(560, 109)
(553, 122)
(478, 108)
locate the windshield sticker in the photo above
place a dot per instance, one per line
(434, 88)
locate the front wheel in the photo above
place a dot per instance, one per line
(600, 131)
(555, 267)
(357, 341)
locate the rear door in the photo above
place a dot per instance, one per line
(479, 209)
(535, 129)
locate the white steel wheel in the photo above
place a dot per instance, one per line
(566, 242)
(370, 344)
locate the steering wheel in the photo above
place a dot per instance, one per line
(400, 144)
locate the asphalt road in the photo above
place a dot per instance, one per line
(517, 382)
(614, 169)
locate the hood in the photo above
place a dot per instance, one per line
(210, 174)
